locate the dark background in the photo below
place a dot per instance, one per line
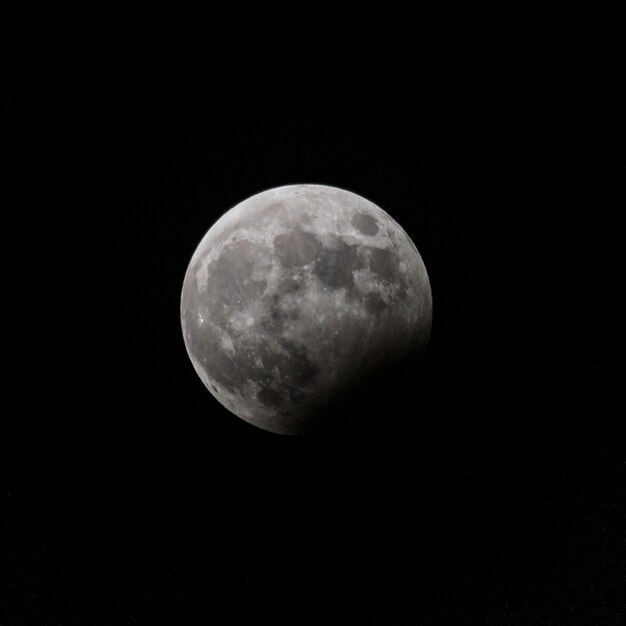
(482, 485)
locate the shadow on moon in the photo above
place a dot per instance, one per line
(382, 403)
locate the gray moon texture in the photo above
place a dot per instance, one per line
(295, 295)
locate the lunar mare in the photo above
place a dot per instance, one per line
(295, 294)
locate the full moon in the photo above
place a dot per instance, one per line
(296, 294)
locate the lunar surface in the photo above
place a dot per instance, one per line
(294, 295)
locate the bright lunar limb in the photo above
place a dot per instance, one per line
(294, 295)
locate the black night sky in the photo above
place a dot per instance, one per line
(484, 484)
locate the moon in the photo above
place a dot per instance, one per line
(296, 294)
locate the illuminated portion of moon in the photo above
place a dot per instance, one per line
(295, 294)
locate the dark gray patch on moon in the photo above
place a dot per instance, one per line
(291, 285)
(297, 247)
(374, 303)
(269, 397)
(365, 224)
(336, 264)
(384, 262)
(298, 367)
